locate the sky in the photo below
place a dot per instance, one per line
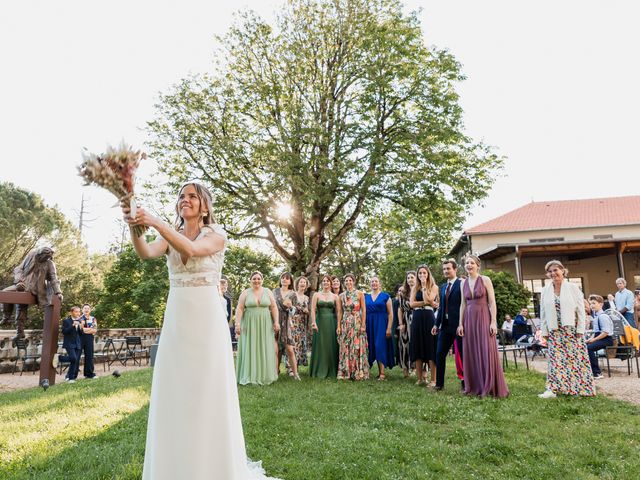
(553, 86)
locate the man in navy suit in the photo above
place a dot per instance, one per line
(447, 321)
(71, 343)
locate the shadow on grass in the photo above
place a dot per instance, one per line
(34, 401)
(115, 453)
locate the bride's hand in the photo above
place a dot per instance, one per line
(142, 217)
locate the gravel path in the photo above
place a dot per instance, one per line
(621, 385)
(9, 382)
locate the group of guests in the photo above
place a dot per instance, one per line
(78, 331)
(348, 330)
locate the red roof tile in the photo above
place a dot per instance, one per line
(593, 212)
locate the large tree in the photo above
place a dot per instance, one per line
(339, 110)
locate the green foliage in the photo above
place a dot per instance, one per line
(401, 259)
(27, 222)
(511, 296)
(339, 109)
(135, 292)
(241, 261)
(467, 437)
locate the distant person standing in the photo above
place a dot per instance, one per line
(299, 320)
(325, 311)
(285, 298)
(379, 323)
(447, 322)
(352, 333)
(405, 316)
(225, 298)
(422, 343)
(483, 373)
(89, 327)
(562, 315)
(256, 323)
(336, 285)
(72, 344)
(624, 301)
(636, 308)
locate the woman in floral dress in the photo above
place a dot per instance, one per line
(562, 324)
(352, 333)
(299, 321)
(285, 297)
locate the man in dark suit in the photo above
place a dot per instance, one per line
(72, 344)
(447, 321)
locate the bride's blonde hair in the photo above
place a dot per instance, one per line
(206, 204)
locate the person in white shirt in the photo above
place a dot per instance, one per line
(624, 301)
(507, 328)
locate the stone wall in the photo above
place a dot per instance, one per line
(34, 337)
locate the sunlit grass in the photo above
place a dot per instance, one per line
(322, 429)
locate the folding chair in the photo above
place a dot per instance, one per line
(22, 344)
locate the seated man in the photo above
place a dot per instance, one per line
(602, 333)
(523, 317)
(507, 329)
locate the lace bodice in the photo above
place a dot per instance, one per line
(198, 271)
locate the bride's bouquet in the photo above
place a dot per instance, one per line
(114, 171)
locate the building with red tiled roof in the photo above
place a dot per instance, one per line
(597, 239)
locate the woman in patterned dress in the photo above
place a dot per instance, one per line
(563, 325)
(352, 333)
(299, 321)
(405, 315)
(285, 297)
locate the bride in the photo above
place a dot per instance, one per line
(194, 428)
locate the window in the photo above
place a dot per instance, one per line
(602, 237)
(636, 280)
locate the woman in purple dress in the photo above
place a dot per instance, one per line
(483, 373)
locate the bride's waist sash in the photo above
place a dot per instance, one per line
(198, 279)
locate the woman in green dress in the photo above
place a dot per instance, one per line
(256, 323)
(325, 311)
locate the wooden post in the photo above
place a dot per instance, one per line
(50, 340)
(49, 330)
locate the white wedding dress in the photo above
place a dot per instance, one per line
(194, 430)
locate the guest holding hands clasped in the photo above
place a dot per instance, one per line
(379, 322)
(422, 344)
(285, 298)
(325, 311)
(256, 323)
(299, 320)
(88, 328)
(405, 316)
(352, 333)
(483, 373)
(72, 344)
(562, 315)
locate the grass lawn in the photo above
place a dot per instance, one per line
(327, 430)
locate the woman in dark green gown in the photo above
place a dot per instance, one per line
(325, 311)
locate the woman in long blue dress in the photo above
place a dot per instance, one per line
(379, 323)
